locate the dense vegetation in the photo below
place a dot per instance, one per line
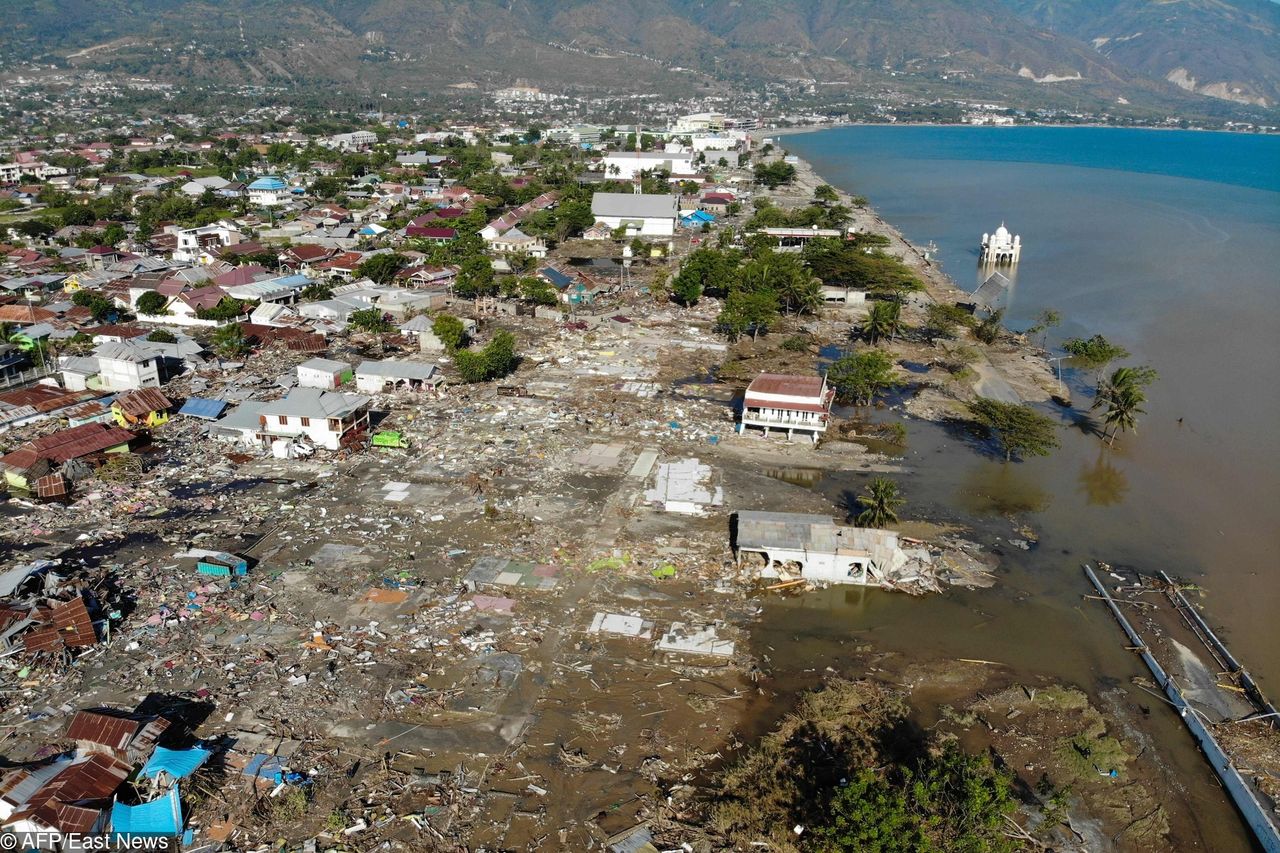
(851, 773)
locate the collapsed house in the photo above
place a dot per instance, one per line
(80, 791)
(45, 465)
(814, 548)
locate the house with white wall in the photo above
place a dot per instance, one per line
(625, 165)
(201, 245)
(377, 377)
(815, 548)
(325, 418)
(326, 373)
(776, 401)
(640, 214)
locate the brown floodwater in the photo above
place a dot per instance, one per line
(1183, 273)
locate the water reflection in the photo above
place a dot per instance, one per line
(1103, 484)
(992, 488)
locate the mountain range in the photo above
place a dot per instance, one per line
(1162, 55)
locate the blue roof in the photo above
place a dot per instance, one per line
(557, 278)
(178, 763)
(162, 816)
(198, 407)
(268, 182)
(264, 766)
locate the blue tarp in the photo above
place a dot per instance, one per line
(178, 763)
(198, 407)
(698, 217)
(162, 816)
(265, 767)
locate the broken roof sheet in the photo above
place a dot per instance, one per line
(160, 817)
(199, 407)
(397, 369)
(178, 763)
(101, 727)
(143, 402)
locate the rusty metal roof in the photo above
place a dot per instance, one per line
(101, 727)
(780, 383)
(44, 398)
(74, 624)
(143, 402)
(67, 444)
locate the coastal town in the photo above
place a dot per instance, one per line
(412, 485)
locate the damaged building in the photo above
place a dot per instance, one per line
(814, 548)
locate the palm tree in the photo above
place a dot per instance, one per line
(880, 503)
(882, 321)
(1122, 394)
(229, 340)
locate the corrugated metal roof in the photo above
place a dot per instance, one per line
(199, 407)
(781, 383)
(143, 402)
(160, 817)
(109, 730)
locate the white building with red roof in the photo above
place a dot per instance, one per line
(776, 401)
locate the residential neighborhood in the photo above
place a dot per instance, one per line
(355, 469)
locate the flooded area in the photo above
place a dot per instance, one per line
(1179, 271)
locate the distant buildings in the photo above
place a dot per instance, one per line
(625, 165)
(268, 191)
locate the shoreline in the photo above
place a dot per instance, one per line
(815, 128)
(1022, 374)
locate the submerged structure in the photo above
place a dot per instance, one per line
(1001, 247)
(815, 548)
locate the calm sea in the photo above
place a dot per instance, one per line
(1167, 243)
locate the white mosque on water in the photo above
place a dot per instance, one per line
(1001, 247)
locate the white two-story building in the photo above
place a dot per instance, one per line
(776, 401)
(327, 419)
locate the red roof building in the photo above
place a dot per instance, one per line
(776, 401)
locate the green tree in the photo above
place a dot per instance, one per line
(326, 187)
(826, 194)
(879, 503)
(949, 803)
(368, 320)
(1122, 395)
(500, 355)
(152, 303)
(538, 291)
(942, 321)
(1094, 353)
(1045, 320)
(861, 376)
(572, 218)
(228, 308)
(1019, 429)
(497, 359)
(99, 306)
(774, 174)
(798, 292)
(475, 278)
(449, 330)
(162, 336)
(882, 321)
(316, 291)
(382, 267)
(748, 310)
(229, 340)
(988, 331)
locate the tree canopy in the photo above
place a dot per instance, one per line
(861, 376)
(1019, 429)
